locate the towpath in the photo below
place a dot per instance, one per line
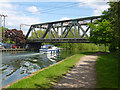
(82, 75)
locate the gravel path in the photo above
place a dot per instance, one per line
(82, 74)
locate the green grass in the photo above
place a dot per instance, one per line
(107, 71)
(49, 76)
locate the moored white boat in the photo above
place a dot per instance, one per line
(49, 49)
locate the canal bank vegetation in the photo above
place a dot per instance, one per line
(49, 76)
(107, 71)
(83, 46)
(107, 32)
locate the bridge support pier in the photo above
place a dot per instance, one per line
(34, 46)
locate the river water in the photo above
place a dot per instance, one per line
(16, 65)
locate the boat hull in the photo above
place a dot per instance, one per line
(49, 51)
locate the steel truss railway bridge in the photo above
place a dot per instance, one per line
(66, 31)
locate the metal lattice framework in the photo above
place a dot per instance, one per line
(66, 31)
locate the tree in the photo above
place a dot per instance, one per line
(3, 34)
(15, 35)
(108, 27)
(4, 29)
(101, 33)
(114, 15)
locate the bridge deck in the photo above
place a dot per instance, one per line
(59, 40)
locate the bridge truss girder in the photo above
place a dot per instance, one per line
(59, 31)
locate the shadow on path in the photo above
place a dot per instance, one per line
(82, 75)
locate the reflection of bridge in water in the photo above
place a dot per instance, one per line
(66, 31)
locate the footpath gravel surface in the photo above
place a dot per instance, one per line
(82, 75)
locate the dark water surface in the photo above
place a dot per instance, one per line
(16, 65)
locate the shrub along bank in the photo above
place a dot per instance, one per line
(82, 46)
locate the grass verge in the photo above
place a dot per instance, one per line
(107, 71)
(48, 77)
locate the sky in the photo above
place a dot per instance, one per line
(41, 11)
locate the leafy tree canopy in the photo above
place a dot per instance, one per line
(15, 35)
(101, 32)
(108, 27)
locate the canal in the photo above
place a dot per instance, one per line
(16, 65)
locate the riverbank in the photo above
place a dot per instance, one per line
(82, 75)
(107, 71)
(49, 76)
(12, 49)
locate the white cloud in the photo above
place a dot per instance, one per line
(14, 21)
(33, 9)
(98, 5)
(64, 18)
(15, 18)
